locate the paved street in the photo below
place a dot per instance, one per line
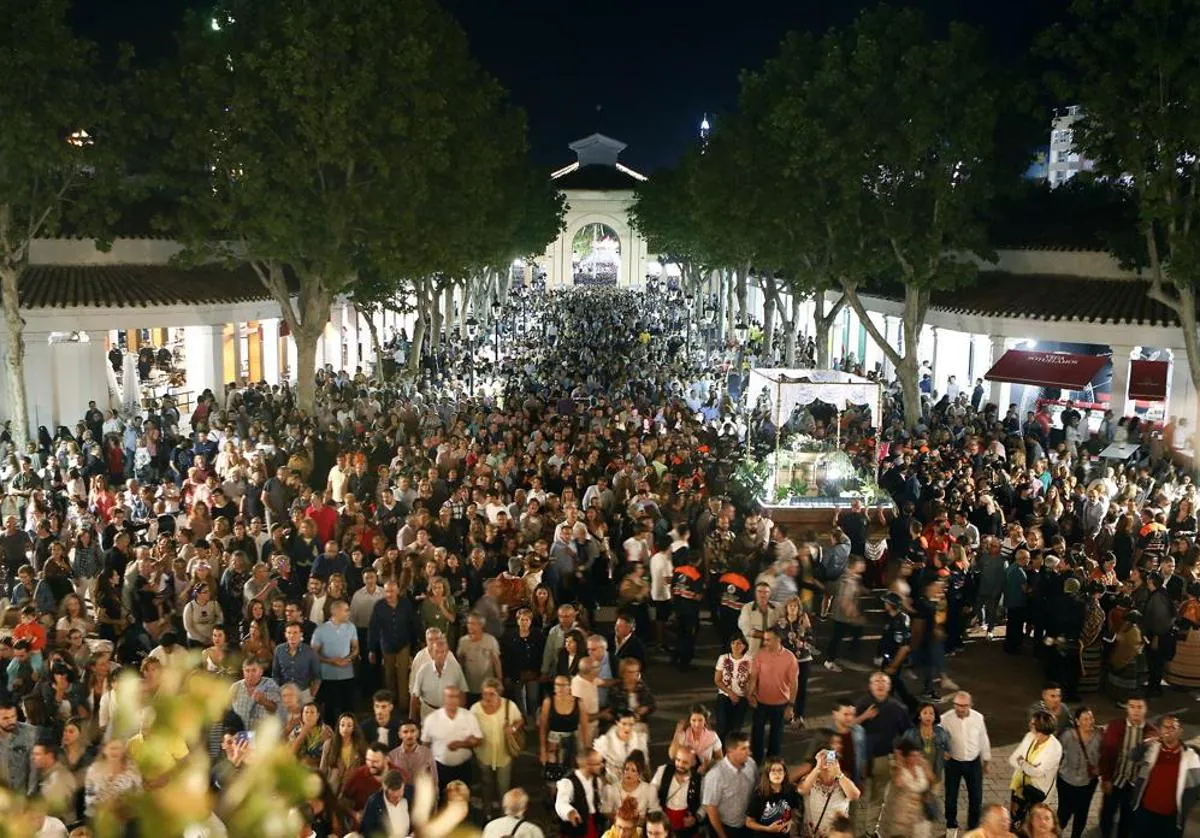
(1003, 686)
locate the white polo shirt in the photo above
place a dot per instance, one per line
(439, 730)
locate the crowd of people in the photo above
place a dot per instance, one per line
(409, 582)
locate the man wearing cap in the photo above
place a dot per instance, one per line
(895, 647)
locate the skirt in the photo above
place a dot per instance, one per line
(1091, 659)
(1129, 680)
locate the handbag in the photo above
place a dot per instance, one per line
(514, 740)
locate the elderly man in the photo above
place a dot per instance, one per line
(758, 616)
(255, 697)
(513, 822)
(452, 733)
(430, 683)
(967, 760)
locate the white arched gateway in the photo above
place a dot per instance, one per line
(598, 246)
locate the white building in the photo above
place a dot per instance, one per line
(1065, 160)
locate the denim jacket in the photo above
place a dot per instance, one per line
(941, 745)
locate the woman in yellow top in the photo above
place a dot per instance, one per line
(1035, 764)
(497, 717)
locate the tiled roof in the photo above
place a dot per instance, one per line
(137, 286)
(596, 177)
(1050, 297)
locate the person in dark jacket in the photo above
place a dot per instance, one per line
(377, 816)
(1159, 616)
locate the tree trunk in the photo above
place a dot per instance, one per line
(306, 338)
(823, 325)
(769, 305)
(435, 321)
(413, 364)
(464, 308)
(18, 410)
(916, 305)
(368, 315)
(449, 303)
(789, 342)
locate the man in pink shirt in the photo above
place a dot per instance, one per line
(771, 692)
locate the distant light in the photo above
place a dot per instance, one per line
(216, 25)
(80, 138)
(704, 125)
(518, 263)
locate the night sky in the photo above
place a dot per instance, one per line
(642, 71)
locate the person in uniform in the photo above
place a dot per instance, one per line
(687, 592)
(895, 646)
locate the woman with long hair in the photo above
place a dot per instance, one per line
(1091, 639)
(933, 739)
(573, 651)
(438, 610)
(1040, 823)
(72, 614)
(795, 629)
(543, 608)
(109, 778)
(110, 611)
(634, 785)
(694, 733)
(344, 751)
(775, 801)
(1079, 771)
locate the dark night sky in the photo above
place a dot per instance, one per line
(653, 67)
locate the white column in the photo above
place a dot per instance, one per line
(938, 386)
(236, 373)
(204, 358)
(1118, 399)
(39, 381)
(995, 388)
(293, 359)
(270, 350)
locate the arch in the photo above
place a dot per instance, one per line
(596, 254)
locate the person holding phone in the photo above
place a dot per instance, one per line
(827, 791)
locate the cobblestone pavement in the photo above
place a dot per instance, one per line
(1003, 687)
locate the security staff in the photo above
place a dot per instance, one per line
(895, 646)
(687, 592)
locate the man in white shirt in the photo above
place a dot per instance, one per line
(758, 616)
(680, 800)
(661, 571)
(452, 733)
(338, 475)
(969, 755)
(429, 687)
(578, 797)
(513, 822)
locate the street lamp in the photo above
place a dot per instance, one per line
(472, 333)
(497, 309)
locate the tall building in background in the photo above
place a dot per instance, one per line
(1065, 160)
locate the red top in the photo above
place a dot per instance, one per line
(34, 632)
(326, 521)
(1159, 796)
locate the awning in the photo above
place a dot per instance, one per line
(1047, 369)
(1148, 380)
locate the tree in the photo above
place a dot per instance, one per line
(56, 156)
(895, 131)
(313, 134)
(1132, 68)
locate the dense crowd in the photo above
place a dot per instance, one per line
(410, 581)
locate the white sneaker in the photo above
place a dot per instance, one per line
(831, 666)
(947, 684)
(952, 832)
(991, 635)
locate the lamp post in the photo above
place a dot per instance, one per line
(472, 332)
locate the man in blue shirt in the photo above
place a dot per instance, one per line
(336, 644)
(390, 638)
(295, 662)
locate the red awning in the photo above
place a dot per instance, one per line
(1047, 369)
(1148, 380)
